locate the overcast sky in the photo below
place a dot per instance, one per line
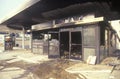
(7, 6)
(11, 7)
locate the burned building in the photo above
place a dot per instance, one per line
(74, 31)
(74, 38)
(85, 34)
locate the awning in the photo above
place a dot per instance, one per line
(46, 10)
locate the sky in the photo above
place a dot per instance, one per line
(9, 8)
(6, 6)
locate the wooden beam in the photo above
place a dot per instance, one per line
(90, 20)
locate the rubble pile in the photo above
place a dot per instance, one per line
(55, 70)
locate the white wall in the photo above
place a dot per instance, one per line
(116, 26)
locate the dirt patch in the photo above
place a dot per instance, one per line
(55, 70)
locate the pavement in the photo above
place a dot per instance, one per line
(24, 55)
(18, 55)
(11, 73)
(99, 71)
(85, 71)
(91, 71)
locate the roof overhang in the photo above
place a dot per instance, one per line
(50, 25)
(23, 6)
(45, 10)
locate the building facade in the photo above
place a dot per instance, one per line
(75, 38)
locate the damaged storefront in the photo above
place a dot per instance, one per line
(73, 38)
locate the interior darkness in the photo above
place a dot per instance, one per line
(76, 45)
(54, 36)
(76, 38)
(37, 35)
(102, 35)
(64, 43)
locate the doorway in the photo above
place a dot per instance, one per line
(76, 45)
(64, 44)
(71, 44)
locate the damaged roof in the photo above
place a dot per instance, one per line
(46, 10)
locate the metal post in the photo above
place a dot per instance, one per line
(59, 44)
(53, 23)
(97, 36)
(30, 40)
(109, 43)
(23, 38)
(115, 40)
(69, 43)
(48, 45)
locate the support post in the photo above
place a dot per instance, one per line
(109, 39)
(23, 38)
(115, 40)
(69, 44)
(48, 45)
(30, 40)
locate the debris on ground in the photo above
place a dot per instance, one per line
(53, 69)
(109, 60)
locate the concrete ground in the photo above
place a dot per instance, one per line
(116, 72)
(91, 71)
(17, 56)
(19, 64)
(99, 71)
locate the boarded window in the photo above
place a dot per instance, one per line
(89, 36)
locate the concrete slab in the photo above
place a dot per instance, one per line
(24, 55)
(11, 73)
(15, 56)
(34, 59)
(1, 67)
(7, 56)
(15, 73)
(115, 74)
(13, 60)
(27, 60)
(91, 71)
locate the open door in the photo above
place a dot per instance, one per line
(71, 44)
(64, 44)
(76, 45)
